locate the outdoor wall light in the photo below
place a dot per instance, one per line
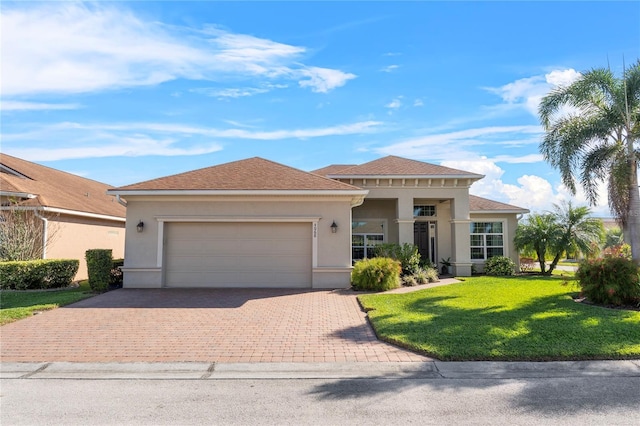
(140, 226)
(334, 227)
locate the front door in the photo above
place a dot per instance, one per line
(424, 236)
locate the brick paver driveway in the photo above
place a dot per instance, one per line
(205, 325)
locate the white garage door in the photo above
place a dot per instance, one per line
(238, 255)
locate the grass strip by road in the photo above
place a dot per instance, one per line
(525, 318)
(15, 305)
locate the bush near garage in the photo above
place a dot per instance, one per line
(376, 274)
(115, 275)
(99, 265)
(499, 266)
(37, 274)
(610, 281)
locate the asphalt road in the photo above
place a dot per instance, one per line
(579, 397)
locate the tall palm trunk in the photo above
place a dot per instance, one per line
(634, 203)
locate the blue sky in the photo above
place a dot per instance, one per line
(122, 92)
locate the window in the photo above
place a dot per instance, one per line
(365, 236)
(424, 211)
(487, 240)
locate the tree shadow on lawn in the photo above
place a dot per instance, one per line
(547, 328)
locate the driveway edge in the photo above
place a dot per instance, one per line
(370, 370)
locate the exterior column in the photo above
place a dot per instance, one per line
(404, 219)
(460, 244)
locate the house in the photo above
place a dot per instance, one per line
(256, 223)
(75, 213)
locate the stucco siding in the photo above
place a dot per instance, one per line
(71, 237)
(332, 251)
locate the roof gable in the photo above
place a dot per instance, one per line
(398, 166)
(332, 169)
(55, 188)
(251, 174)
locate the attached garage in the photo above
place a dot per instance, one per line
(222, 254)
(249, 223)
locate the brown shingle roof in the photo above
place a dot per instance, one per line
(332, 169)
(398, 166)
(250, 174)
(479, 204)
(57, 189)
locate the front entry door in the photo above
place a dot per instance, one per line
(424, 236)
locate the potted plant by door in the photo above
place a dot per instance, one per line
(446, 266)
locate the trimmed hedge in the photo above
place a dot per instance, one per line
(99, 265)
(377, 274)
(37, 274)
(610, 281)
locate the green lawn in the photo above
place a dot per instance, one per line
(15, 305)
(515, 318)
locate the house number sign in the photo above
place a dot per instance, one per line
(315, 230)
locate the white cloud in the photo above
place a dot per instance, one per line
(62, 48)
(34, 106)
(237, 92)
(528, 92)
(394, 104)
(459, 143)
(531, 192)
(76, 140)
(109, 146)
(390, 68)
(418, 103)
(323, 80)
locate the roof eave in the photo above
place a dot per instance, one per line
(463, 176)
(514, 211)
(186, 192)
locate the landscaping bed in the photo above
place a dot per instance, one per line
(522, 318)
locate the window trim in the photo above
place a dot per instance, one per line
(365, 234)
(505, 246)
(435, 210)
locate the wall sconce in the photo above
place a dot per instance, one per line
(140, 226)
(334, 227)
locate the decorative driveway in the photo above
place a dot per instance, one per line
(203, 325)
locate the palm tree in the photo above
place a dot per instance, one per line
(597, 140)
(540, 233)
(579, 233)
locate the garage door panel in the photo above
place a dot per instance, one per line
(238, 255)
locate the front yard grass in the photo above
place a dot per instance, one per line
(15, 305)
(524, 318)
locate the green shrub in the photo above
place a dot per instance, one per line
(37, 274)
(620, 250)
(610, 281)
(99, 264)
(499, 266)
(407, 254)
(377, 274)
(115, 275)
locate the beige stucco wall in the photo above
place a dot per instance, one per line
(71, 236)
(144, 262)
(510, 221)
(452, 205)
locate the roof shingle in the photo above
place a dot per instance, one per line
(479, 204)
(57, 189)
(250, 174)
(398, 166)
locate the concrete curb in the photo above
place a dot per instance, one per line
(379, 370)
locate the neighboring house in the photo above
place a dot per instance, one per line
(76, 213)
(256, 223)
